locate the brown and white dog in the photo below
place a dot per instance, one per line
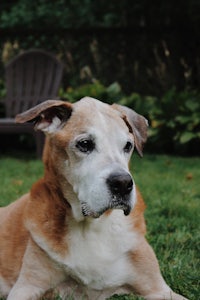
(80, 230)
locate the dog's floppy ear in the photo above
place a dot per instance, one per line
(136, 123)
(47, 116)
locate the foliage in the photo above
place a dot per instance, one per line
(174, 118)
(77, 13)
(109, 94)
(175, 121)
(67, 14)
(146, 46)
(170, 187)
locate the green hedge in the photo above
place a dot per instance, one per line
(174, 118)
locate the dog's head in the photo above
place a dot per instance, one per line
(88, 147)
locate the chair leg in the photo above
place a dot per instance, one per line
(40, 138)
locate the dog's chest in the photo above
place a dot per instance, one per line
(98, 251)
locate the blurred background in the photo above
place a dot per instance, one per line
(143, 54)
(139, 53)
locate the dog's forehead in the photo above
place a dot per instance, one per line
(94, 118)
(94, 112)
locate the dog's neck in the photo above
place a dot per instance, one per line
(63, 190)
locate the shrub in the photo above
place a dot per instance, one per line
(109, 94)
(175, 122)
(174, 118)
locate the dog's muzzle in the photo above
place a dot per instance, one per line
(120, 186)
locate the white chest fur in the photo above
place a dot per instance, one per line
(98, 251)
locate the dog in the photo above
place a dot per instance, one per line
(81, 230)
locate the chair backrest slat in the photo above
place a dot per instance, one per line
(31, 77)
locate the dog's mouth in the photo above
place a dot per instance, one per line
(115, 204)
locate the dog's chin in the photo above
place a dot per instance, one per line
(88, 212)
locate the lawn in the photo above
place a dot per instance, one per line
(171, 189)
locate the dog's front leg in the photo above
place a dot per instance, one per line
(38, 274)
(25, 293)
(148, 281)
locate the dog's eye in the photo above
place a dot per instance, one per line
(128, 147)
(85, 146)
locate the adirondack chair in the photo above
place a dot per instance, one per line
(31, 77)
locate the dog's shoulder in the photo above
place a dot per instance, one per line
(46, 216)
(14, 210)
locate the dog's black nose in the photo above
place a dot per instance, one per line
(120, 183)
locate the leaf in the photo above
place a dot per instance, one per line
(186, 137)
(171, 124)
(156, 123)
(191, 105)
(114, 88)
(183, 119)
(17, 182)
(189, 176)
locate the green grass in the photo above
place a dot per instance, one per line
(171, 189)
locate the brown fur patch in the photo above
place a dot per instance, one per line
(12, 252)
(137, 214)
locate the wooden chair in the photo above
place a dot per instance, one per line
(31, 77)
